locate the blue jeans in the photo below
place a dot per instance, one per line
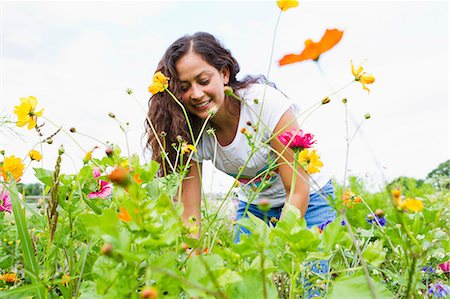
(319, 211)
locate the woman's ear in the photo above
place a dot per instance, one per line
(225, 75)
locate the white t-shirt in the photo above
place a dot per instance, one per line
(262, 108)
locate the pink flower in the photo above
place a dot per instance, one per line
(104, 188)
(96, 172)
(296, 139)
(445, 267)
(5, 202)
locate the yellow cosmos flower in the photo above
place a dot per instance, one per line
(35, 155)
(286, 4)
(187, 148)
(159, 84)
(310, 161)
(412, 205)
(26, 113)
(363, 77)
(12, 166)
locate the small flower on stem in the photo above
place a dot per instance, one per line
(445, 267)
(187, 148)
(104, 188)
(35, 155)
(159, 84)
(363, 77)
(313, 50)
(26, 112)
(296, 139)
(12, 165)
(5, 201)
(286, 4)
(310, 161)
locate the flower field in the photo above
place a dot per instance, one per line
(114, 229)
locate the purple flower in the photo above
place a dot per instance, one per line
(438, 290)
(377, 220)
(296, 139)
(428, 269)
(322, 225)
(5, 201)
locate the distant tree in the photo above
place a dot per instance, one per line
(440, 176)
(30, 189)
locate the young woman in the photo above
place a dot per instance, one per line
(244, 144)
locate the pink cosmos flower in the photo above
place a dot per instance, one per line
(104, 188)
(5, 201)
(445, 267)
(296, 139)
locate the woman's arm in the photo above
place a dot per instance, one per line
(300, 196)
(191, 197)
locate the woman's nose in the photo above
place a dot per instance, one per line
(197, 92)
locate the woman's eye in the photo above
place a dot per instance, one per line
(204, 82)
(184, 88)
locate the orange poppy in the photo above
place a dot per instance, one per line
(312, 49)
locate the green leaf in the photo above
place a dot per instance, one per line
(25, 240)
(44, 175)
(356, 286)
(374, 253)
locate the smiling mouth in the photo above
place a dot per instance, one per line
(202, 104)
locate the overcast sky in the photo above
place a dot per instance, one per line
(78, 58)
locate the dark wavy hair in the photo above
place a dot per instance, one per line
(165, 114)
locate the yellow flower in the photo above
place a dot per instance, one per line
(363, 77)
(35, 155)
(412, 205)
(14, 166)
(159, 84)
(310, 161)
(65, 279)
(286, 4)
(26, 113)
(187, 148)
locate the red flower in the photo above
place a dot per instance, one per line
(296, 139)
(312, 49)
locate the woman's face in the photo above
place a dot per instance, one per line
(201, 84)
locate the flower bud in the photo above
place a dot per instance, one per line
(107, 249)
(61, 150)
(72, 130)
(119, 176)
(109, 151)
(129, 91)
(379, 212)
(2, 152)
(163, 134)
(179, 138)
(49, 141)
(112, 115)
(326, 101)
(149, 293)
(367, 115)
(228, 91)
(264, 204)
(256, 101)
(344, 100)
